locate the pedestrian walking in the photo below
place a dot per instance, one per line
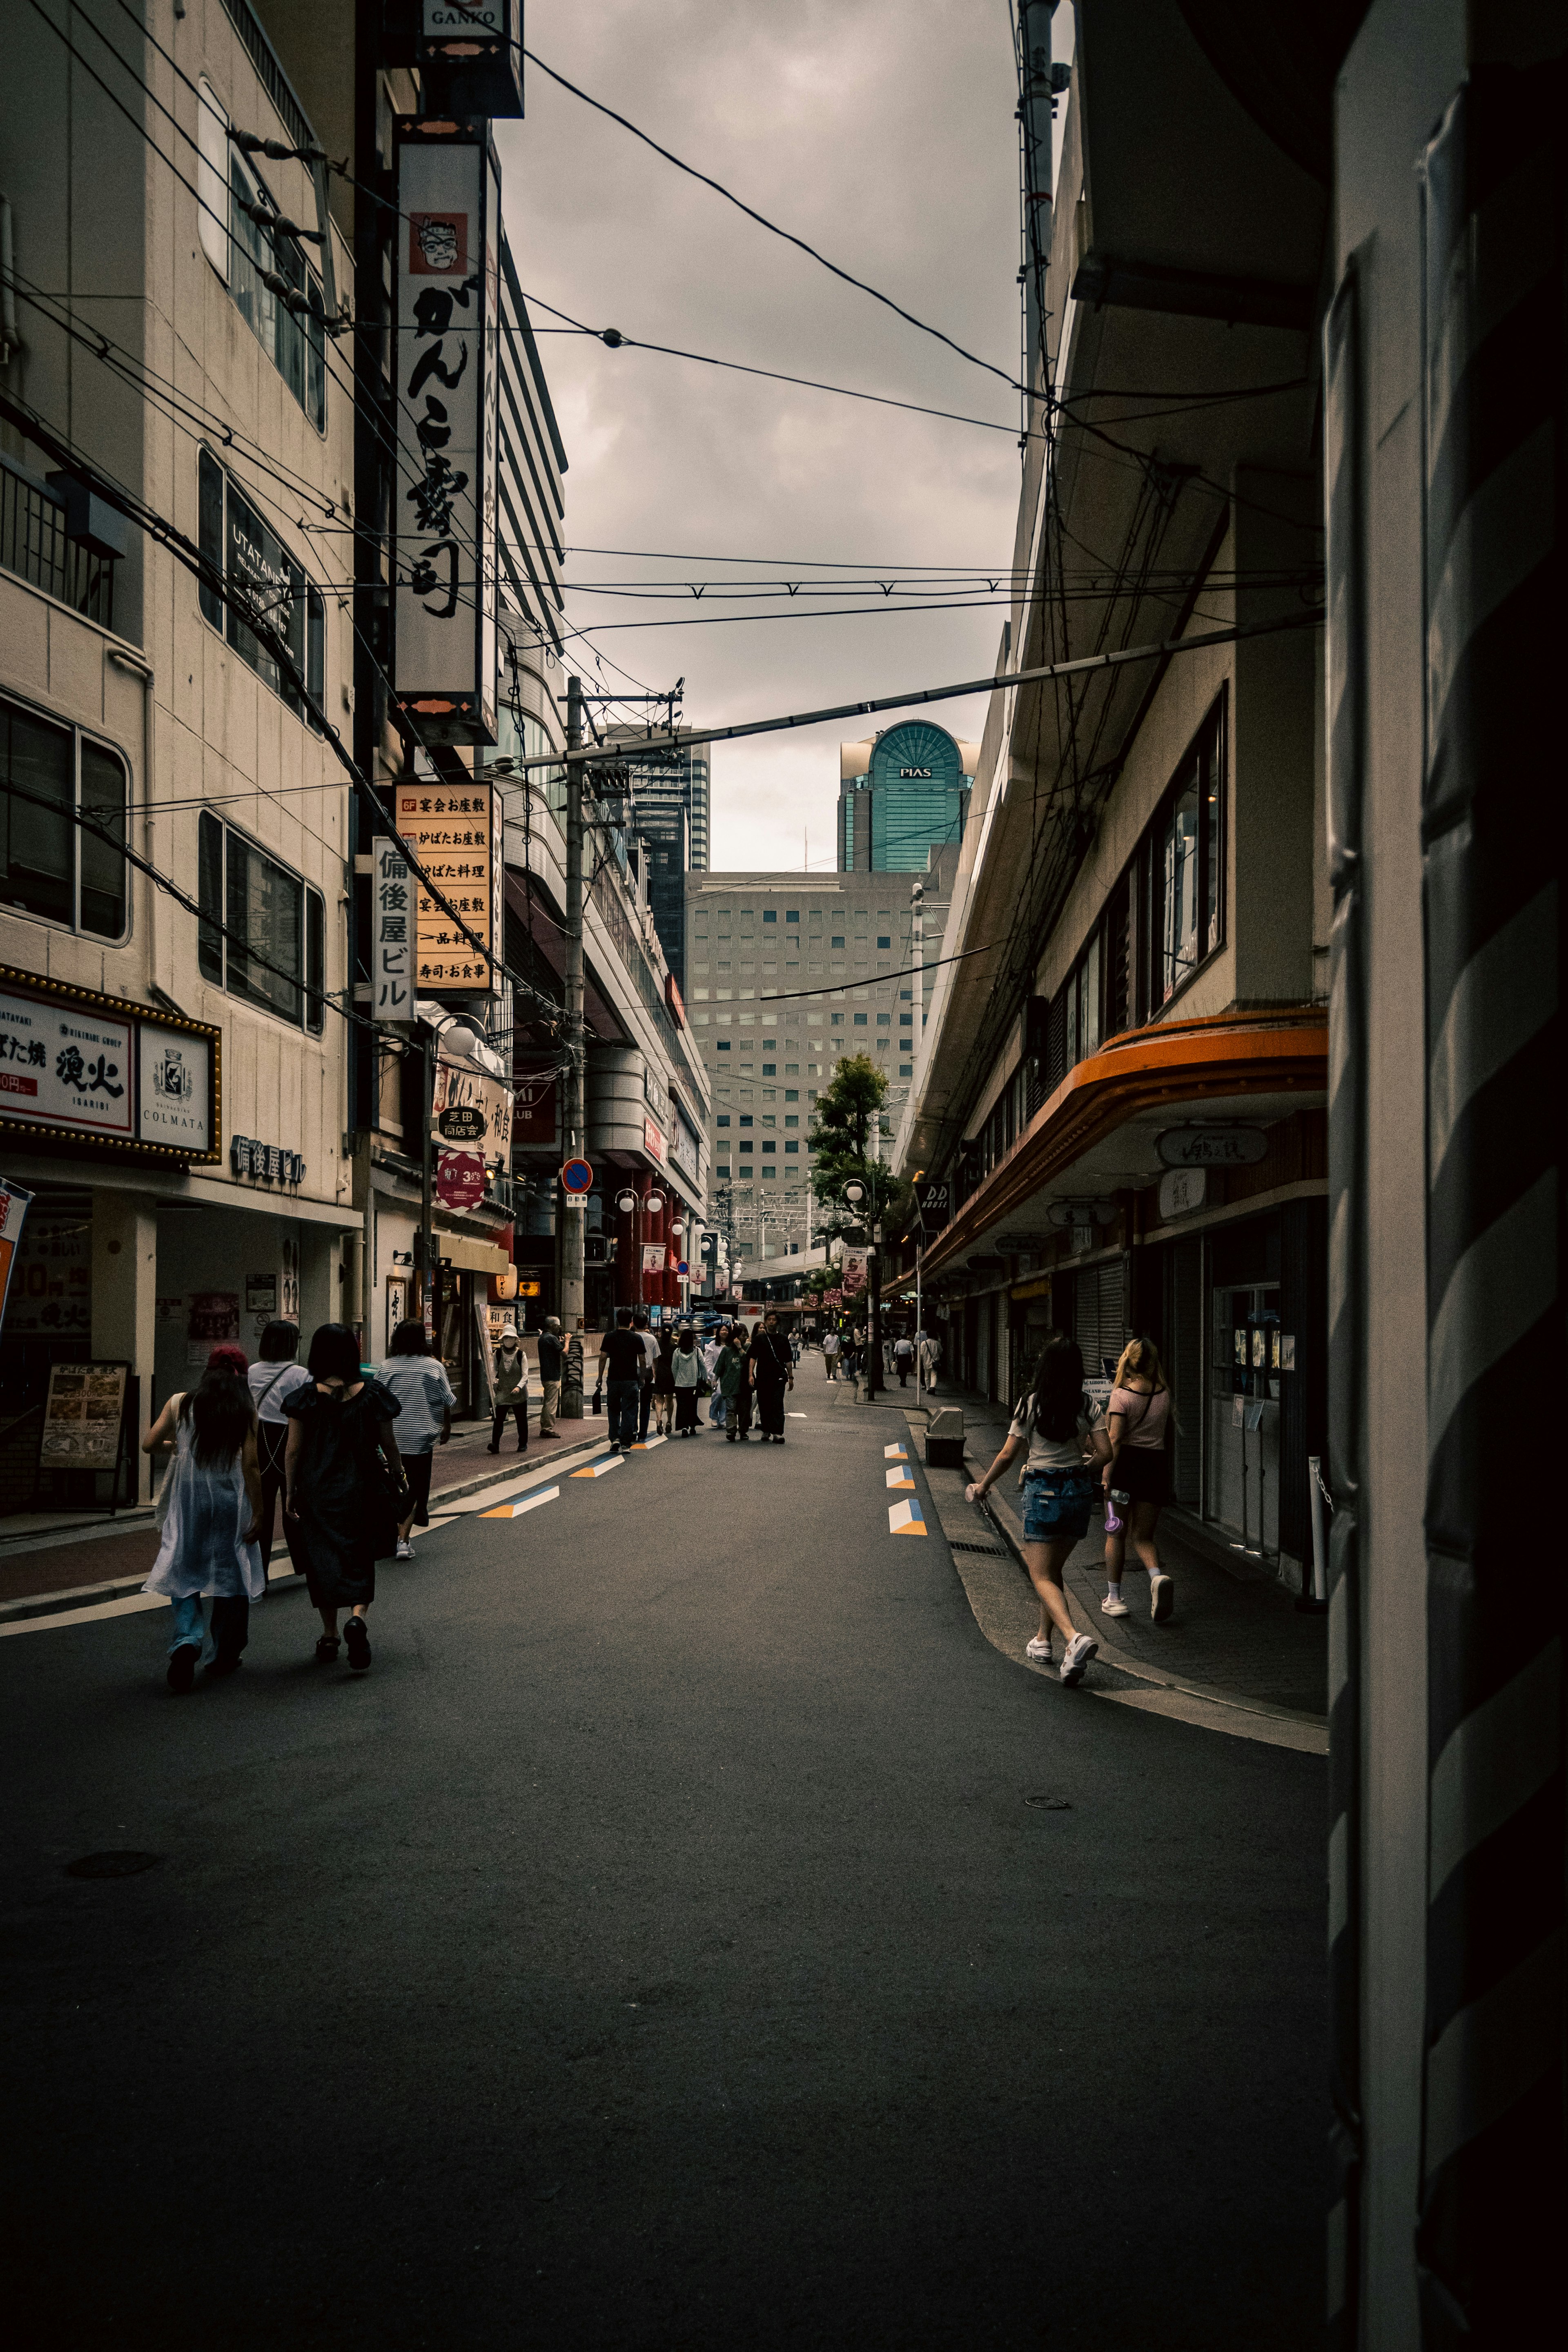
(1136, 1477)
(211, 1502)
(417, 1378)
(345, 1486)
(508, 1389)
(711, 1352)
(849, 1362)
(1061, 1430)
(904, 1357)
(552, 1365)
(664, 1383)
(729, 1375)
(929, 1358)
(773, 1372)
(830, 1354)
(649, 1346)
(272, 1380)
(686, 1369)
(620, 1374)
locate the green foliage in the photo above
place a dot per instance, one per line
(843, 1137)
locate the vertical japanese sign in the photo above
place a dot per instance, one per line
(452, 833)
(449, 328)
(392, 919)
(14, 1206)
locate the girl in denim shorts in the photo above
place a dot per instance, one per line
(1061, 1429)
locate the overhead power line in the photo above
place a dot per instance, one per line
(686, 739)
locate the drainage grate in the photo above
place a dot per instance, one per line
(991, 1551)
(111, 1865)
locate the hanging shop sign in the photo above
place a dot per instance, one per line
(77, 1063)
(392, 989)
(1210, 1147)
(14, 1206)
(268, 1163)
(452, 835)
(83, 1417)
(449, 310)
(460, 1179)
(653, 1141)
(653, 1257)
(853, 1275)
(933, 1198)
(463, 1094)
(462, 1123)
(1183, 1190)
(536, 1108)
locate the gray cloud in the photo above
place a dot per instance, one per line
(883, 134)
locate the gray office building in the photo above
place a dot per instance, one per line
(787, 973)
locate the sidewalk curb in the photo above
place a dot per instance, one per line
(1117, 1658)
(119, 1588)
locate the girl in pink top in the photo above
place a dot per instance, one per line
(1137, 1418)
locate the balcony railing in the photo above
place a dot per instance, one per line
(33, 544)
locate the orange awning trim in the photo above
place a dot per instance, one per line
(1173, 1063)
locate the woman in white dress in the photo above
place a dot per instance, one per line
(212, 1503)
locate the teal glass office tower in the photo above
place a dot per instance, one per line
(901, 795)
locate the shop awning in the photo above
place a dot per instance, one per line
(1097, 1133)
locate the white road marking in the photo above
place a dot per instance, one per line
(528, 1503)
(899, 1480)
(904, 1519)
(895, 1453)
(597, 1469)
(129, 1607)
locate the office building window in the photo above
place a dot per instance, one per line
(264, 579)
(770, 915)
(860, 1021)
(792, 914)
(68, 873)
(723, 1119)
(274, 953)
(770, 1069)
(884, 942)
(237, 209)
(906, 1069)
(837, 939)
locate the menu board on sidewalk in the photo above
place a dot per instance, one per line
(82, 1417)
(14, 1202)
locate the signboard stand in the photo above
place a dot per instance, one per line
(89, 1416)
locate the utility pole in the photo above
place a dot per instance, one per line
(429, 1295)
(570, 1221)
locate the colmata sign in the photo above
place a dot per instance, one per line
(448, 310)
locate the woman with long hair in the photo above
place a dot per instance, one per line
(1138, 1419)
(418, 1379)
(664, 1383)
(345, 1482)
(1059, 1427)
(686, 1372)
(211, 1502)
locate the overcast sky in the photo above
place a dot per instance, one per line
(882, 131)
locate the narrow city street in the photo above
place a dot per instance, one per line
(690, 1933)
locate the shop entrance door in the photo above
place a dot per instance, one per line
(1242, 1468)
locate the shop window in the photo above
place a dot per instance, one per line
(263, 931)
(62, 825)
(236, 210)
(252, 557)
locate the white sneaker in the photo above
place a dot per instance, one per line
(404, 1549)
(1080, 1650)
(1040, 1647)
(1112, 1608)
(1162, 1597)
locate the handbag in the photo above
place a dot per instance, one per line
(704, 1388)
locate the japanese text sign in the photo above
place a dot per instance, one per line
(392, 920)
(448, 307)
(450, 832)
(64, 1066)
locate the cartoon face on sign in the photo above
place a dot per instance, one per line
(437, 243)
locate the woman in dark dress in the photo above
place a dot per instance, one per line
(337, 1495)
(773, 1372)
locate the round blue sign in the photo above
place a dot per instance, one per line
(683, 1267)
(577, 1176)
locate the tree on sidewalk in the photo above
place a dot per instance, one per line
(844, 1138)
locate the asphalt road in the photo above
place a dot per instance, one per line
(655, 1949)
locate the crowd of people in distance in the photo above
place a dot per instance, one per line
(661, 1379)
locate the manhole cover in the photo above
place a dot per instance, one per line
(111, 1865)
(1050, 1804)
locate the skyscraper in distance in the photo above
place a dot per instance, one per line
(901, 793)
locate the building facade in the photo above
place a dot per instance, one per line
(177, 1003)
(1124, 1081)
(789, 973)
(902, 793)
